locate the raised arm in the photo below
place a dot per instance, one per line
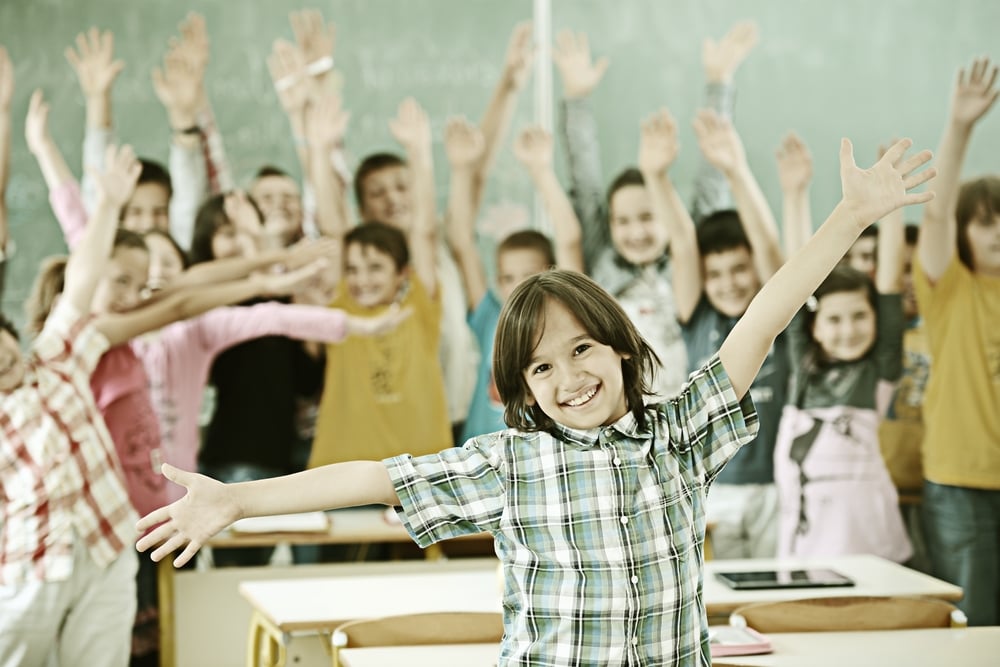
(293, 86)
(868, 195)
(55, 171)
(463, 144)
(326, 122)
(6, 93)
(533, 150)
(496, 120)
(89, 257)
(974, 94)
(412, 130)
(891, 247)
(721, 146)
(658, 148)
(795, 170)
(580, 75)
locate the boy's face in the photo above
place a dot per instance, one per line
(371, 276)
(11, 362)
(281, 203)
(514, 265)
(845, 325)
(164, 262)
(730, 280)
(120, 288)
(635, 232)
(862, 255)
(983, 233)
(575, 380)
(149, 208)
(386, 197)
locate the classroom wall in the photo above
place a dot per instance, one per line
(867, 70)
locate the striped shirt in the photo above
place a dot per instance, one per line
(59, 478)
(600, 532)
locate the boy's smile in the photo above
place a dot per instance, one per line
(575, 380)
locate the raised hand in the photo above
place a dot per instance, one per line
(520, 54)
(194, 40)
(658, 145)
(6, 80)
(870, 194)
(533, 148)
(411, 127)
(94, 63)
(284, 284)
(721, 59)
(314, 38)
(718, 140)
(975, 92)
(36, 124)
(179, 86)
(308, 251)
(116, 183)
(358, 325)
(325, 120)
(795, 165)
(206, 508)
(463, 143)
(287, 65)
(580, 74)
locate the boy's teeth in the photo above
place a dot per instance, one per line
(580, 400)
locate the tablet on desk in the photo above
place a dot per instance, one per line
(760, 579)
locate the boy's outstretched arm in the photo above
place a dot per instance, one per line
(722, 147)
(795, 170)
(533, 149)
(658, 148)
(868, 194)
(972, 97)
(209, 505)
(463, 144)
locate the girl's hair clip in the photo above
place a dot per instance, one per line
(812, 303)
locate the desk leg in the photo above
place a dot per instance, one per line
(165, 588)
(434, 552)
(265, 644)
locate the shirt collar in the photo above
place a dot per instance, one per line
(626, 426)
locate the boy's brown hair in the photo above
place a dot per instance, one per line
(529, 239)
(519, 329)
(977, 199)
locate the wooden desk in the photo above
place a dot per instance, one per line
(872, 576)
(470, 655)
(348, 526)
(939, 647)
(285, 607)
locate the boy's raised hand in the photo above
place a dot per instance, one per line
(383, 323)
(36, 123)
(580, 74)
(975, 92)
(6, 80)
(411, 127)
(314, 38)
(290, 282)
(721, 59)
(718, 140)
(795, 165)
(287, 65)
(658, 145)
(520, 54)
(116, 183)
(94, 63)
(870, 194)
(533, 148)
(194, 39)
(179, 86)
(463, 143)
(325, 120)
(206, 508)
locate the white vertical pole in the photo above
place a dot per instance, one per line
(542, 18)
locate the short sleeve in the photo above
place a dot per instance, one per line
(707, 420)
(70, 340)
(459, 491)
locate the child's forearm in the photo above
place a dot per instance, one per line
(796, 219)
(758, 221)
(99, 110)
(461, 237)
(88, 258)
(565, 224)
(936, 243)
(329, 487)
(50, 159)
(891, 244)
(685, 260)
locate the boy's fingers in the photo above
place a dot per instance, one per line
(189, 551)
(918, 198)
(914, 161)
(156, 536)
(846, 153)
(919, 178)
(897, 150)
(168, 547)
(155, 517)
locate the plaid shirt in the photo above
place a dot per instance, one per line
(600, 532)
(59, 478)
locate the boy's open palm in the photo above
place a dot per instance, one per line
(194, 41)
(533, 148)
(178, 84)
(974, 94)
(719, 142)
(326, 120)
(314, 38)
(721, 59)
(36, 123)
(580, 75)
(520, 53)
(411, 127)
(795, 165)
(658, 145)
(206, 508)
(93, 61)
(870, 194)
(463, 143)
(287, 65)
(121, 171)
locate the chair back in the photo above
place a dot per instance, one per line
(419, 629)
(849, 614)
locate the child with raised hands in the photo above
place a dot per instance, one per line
(518, 256)
(625, 244)
(585, 450)
(836, 496)
(385, 394)
(66, 521)
(957, 278)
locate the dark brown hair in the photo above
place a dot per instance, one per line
(529, 239)
(519, 329)
(371, 164)
(384, 238)
(977, 199)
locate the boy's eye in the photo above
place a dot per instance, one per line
(540, 368)
(580, 349)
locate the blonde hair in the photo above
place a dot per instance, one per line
(49, 284)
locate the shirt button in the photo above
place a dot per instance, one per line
(635, 579)
(617, 461)
(624, 520)
(635, 640)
